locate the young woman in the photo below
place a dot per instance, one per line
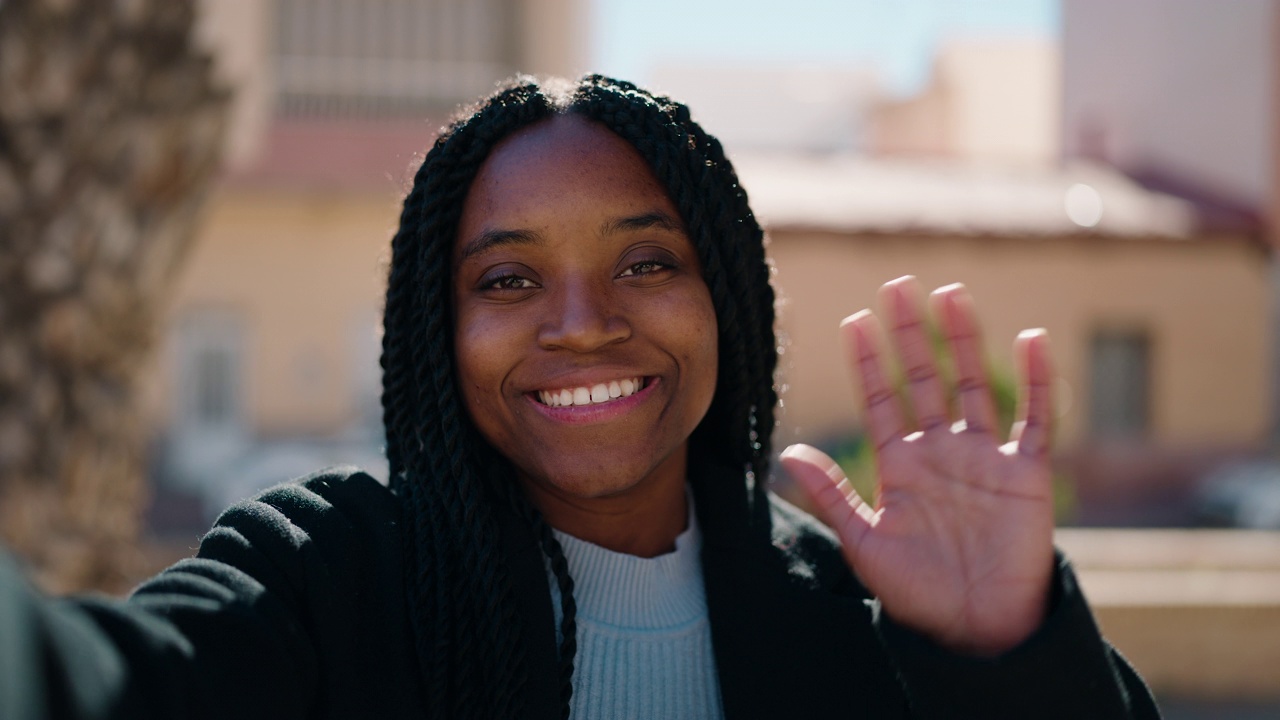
(578, 391)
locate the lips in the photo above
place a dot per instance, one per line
(596, 394)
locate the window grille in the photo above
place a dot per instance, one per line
(360, 58)
(210, 354)
(1120, 386)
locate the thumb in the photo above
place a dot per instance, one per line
(831, 493)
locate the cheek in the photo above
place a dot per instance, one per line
(478, 358)
(702, 343)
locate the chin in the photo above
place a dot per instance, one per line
(589, 484)
(609, 479)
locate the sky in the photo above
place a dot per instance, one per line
(896, 37)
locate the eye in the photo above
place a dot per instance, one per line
(507, 281)
(645, 267)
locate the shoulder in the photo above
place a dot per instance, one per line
(338, 511)
(810, 550)
(288, 585)
(335, 494)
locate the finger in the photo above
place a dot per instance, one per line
(861, 332)
(954, 309)
(902, 300)
(1034, 428)
(833, 496)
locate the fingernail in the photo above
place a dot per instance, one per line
(799, 450)
(855, 317)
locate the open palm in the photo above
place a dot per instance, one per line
(959, 543)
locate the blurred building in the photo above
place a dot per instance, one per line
(1160, 329)
(1181, 96)
(270, 361)
(1111, 187)
(992, 99)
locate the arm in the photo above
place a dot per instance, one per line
(957, 548)
(219, 635)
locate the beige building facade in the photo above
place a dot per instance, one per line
(300, 277)
(1199, 305)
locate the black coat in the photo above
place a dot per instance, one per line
(295, 608)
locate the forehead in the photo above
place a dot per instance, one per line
(565, 164)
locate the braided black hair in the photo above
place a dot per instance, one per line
(463, 609)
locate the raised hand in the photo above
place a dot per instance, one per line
(958, 545)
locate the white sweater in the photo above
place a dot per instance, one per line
(644, 638)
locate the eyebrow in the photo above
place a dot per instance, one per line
(644, 221)
(496, 238)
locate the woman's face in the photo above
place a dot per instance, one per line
(586, 338)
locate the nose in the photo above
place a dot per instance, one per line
(583, 317)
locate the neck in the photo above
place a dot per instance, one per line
(643, 521)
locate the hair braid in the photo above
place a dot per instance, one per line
(750, 271)
(568, 608)
(568, 605)
(466, 627)
(398, 305)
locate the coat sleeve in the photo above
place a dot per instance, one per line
(224, 634)
(1064, 670)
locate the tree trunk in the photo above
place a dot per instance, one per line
(110, 129)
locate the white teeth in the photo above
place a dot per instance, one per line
(598, 393)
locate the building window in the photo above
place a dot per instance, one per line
(1120, 393)
(361, 58)
(214, 386)
(209, 354)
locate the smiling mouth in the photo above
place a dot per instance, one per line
(597, 394)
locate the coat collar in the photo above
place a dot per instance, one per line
(790, 623)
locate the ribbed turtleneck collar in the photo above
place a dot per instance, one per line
(625, 591)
